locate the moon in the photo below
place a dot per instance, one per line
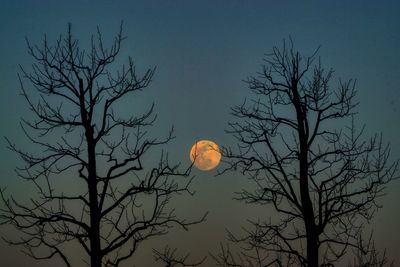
(205, 155)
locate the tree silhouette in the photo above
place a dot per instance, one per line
(170, 259)
(298, 143)
(368, 256)
(119, 199)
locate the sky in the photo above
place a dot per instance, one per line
(203, 50)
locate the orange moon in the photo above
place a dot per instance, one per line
(205, 154)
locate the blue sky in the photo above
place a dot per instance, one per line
(203, 50)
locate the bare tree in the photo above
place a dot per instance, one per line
(80, 135)
(298, 143)
(170, 258)
(368, 256)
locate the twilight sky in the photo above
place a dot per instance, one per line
(203, 50)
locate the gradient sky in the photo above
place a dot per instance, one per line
(203, 50)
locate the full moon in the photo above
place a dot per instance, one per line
(205, 154)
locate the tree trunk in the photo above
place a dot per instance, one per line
(306, 203)
(308, 212)
(95, 256)
(312, 248)
(94, 233)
